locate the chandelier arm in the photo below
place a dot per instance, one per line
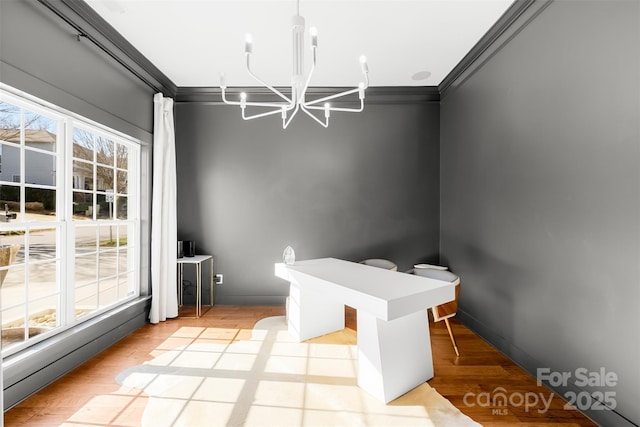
(346, 110)
(366, 80)
(285, 121)
(279, 105)
(252, 104)
(360, 89)
(257, 116)
(324, 124)
(328, 98)
(259, 80)
(306, 85)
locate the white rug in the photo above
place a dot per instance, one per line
(270, 380)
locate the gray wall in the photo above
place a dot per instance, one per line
(39, 55)
(366, 187)
(540, 194)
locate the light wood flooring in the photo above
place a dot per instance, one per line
(90, 396)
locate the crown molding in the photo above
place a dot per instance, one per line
(374, 95)
(91, 26)
(514, 20)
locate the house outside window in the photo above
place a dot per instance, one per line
(69, 250)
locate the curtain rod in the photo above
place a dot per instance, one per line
(84, 34)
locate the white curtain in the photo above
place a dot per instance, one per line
(164, 224)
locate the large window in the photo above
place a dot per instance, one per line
(69, 222)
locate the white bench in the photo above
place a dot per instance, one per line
(394, 349)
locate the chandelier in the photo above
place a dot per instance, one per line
(291, 105)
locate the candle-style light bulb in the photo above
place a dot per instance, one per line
(327, 110)
(223, 81)
(363, 64)
(314, 36)
(248, 43)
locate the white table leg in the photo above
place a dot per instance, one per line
(395, 356)
(198, 289)
(211, 283)
(180, 280)
(312, 314)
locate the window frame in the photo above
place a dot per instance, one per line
(63, 185)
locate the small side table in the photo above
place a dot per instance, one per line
(197, 261)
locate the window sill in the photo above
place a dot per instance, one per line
(35, 367)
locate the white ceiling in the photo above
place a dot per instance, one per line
(192, 41)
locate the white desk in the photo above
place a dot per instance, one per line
(394, 349)
(197, 261)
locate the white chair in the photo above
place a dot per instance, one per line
(449, 309)
(380, 263)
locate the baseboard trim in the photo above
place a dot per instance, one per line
(30, 370)
(250, 300)
(606, 417)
